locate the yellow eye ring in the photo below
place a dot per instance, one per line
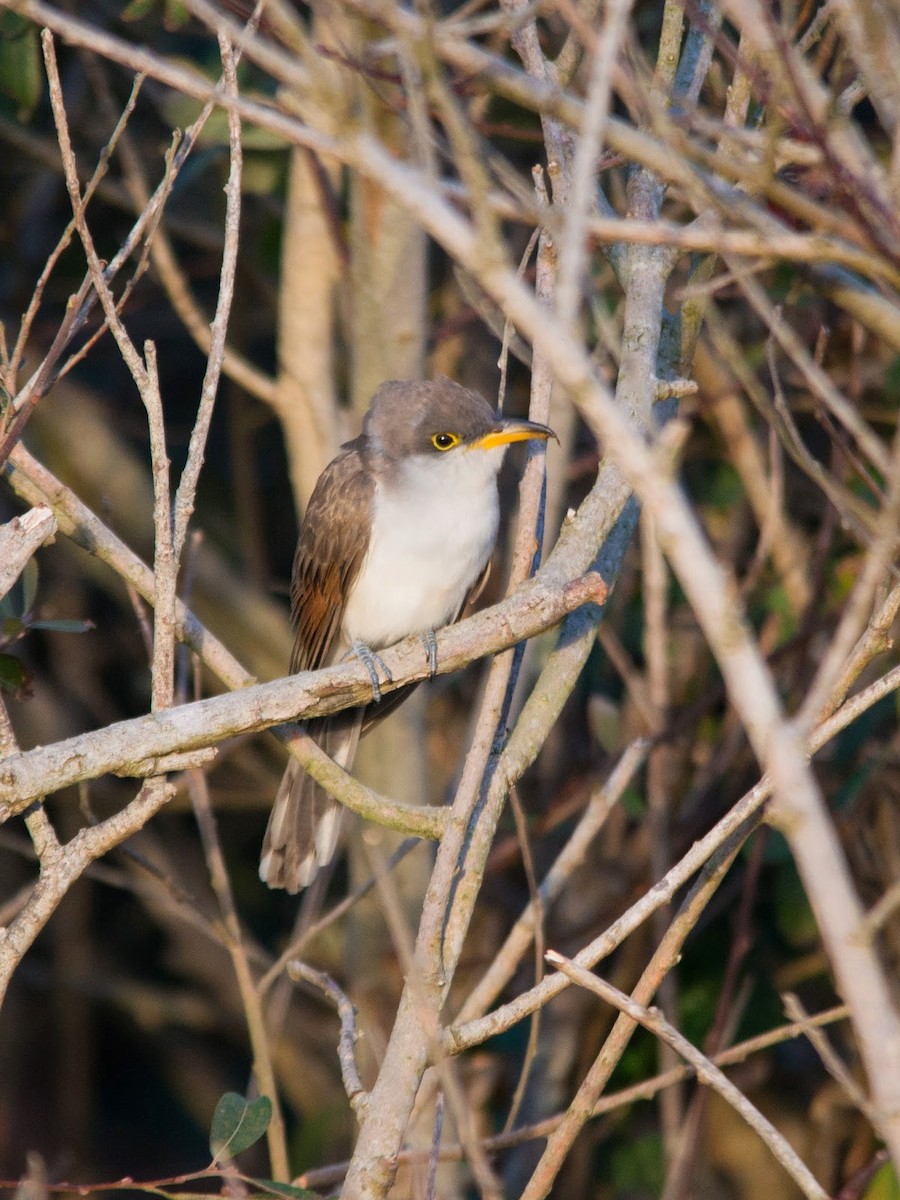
(445, 441)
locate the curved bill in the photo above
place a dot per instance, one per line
(511, 429)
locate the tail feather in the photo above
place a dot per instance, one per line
(305, 825)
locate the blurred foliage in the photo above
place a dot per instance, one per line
(885, 1185)
(21, 70)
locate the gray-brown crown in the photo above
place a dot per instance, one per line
(405, 415)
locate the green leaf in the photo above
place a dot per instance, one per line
(182, 111)
(238, 1123)
(884, 1185)
(20, 62)
(891, 384)
(13, 675)
(175, 15)
(269, 1187)
(634, 804)
(723, 487)
(793, 914)
(639, 1165)
(29, 585)
(63, 626)
(13, 627)
(137, 9)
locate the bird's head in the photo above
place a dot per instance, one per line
(437, 418)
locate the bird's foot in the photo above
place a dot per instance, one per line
(429, 641)
(371, 661)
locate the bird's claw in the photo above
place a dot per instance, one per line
(429, 641)
(371, 661)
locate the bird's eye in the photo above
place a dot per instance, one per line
(445, 441)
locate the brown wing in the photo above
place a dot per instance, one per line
(475, 590)
(334, 538)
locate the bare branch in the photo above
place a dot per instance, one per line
(20, 538)
(706, 1072)
(126, 746)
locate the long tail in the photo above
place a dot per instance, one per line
(305, 825)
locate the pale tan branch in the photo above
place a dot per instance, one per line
(301, 972)
(20, 539)
(706, 1072)
(127, 745)
(478, 1030)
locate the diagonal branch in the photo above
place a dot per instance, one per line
(130, 747)
(706, 1071)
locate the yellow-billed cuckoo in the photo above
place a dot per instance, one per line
(397, 537)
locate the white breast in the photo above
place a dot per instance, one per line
(433, 532)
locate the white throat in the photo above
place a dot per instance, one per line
(434, 524)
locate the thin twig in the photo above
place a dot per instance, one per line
(187, 487)
(57, 877)
(600, 804)
(479, 1029)
(65, 238)
(826, 1053)
(659, 776)
(661, 962)
(645, 1090)
(356, 1093)
(707, 1073)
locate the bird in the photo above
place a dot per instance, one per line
(396, 539)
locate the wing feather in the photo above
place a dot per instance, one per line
(334, 538)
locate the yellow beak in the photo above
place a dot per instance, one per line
(511, 430)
